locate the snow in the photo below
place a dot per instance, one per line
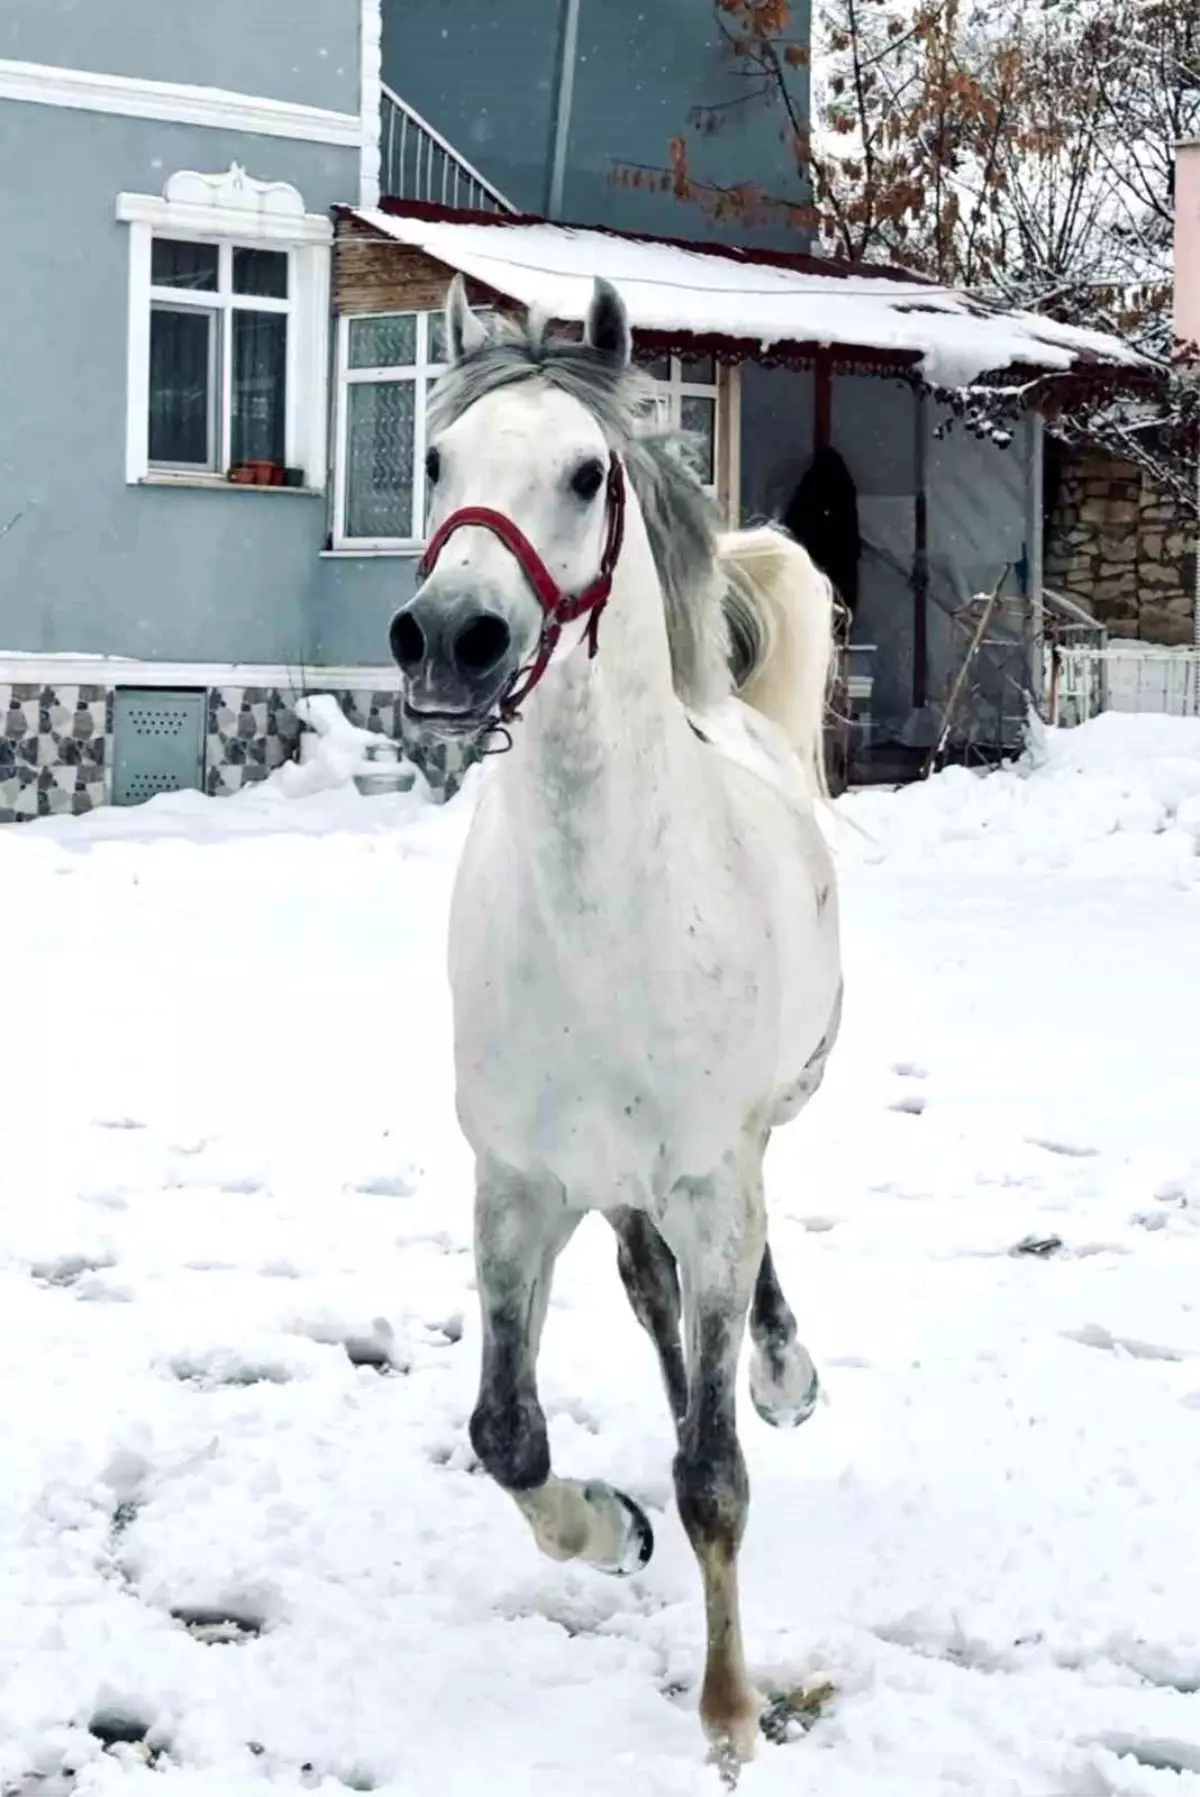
(238, 1518)
(669, 288)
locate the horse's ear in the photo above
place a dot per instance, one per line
(464, 332)
(607, 328)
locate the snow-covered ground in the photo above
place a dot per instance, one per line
(238, 1518)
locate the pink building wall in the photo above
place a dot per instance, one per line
(1187, 243)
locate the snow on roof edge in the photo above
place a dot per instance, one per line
(954, 337)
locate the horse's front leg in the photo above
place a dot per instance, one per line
(717, 1231)
(521, 1227)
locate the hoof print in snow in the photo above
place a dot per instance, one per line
(211, 1372)
(450, 1331)
(909, 1070)
(1037, 1247)
(119, 1123)
(1156, 1754)
(789, 1714)
(216, 1627)
(387, 1185)
(68, 1269)
(375, 1347)
(1075, 1151)
(126, 1731)
(909, 1106)
(1094, 1335)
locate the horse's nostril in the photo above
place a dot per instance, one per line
(408, 642)
(481, 645)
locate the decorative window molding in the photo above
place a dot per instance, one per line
(370, 91)
(176, 102)
(226, 214)
(386, 365)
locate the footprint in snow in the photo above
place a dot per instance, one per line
(909, 1070)
(387, 1185)
(909, 1106)
(219, 1626)
(1078, 1151)
(69, 1269)
(1093, 1335)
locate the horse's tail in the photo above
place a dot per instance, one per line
(780, 609)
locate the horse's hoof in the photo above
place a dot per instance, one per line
(785, 1395)
(632, 1536)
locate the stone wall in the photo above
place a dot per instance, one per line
(1122, 548)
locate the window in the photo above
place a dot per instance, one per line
(690, 402)
(218, 355)
(388, 363)
(228, 304)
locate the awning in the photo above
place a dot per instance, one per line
(749, 303)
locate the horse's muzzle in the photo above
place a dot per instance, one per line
(456, 654)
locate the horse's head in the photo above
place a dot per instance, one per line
(525, 521)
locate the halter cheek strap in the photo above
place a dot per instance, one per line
(558, 608)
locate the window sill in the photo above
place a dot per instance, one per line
(217, 483)
(351, 552)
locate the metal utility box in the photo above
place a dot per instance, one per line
(158, 743)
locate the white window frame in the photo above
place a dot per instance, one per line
(232, 211)
(421, 372)
(725, 393)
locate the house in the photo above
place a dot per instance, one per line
(166, 326)
(220, 341)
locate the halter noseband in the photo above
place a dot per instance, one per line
(558, 608)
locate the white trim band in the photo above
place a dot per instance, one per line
(115, 670)
(370, 99)
(177, 103)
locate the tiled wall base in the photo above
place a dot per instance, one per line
(252, 729)
(54, 750)
(56, 745)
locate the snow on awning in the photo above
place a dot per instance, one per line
(753, 304)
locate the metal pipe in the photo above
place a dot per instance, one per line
(564, 97)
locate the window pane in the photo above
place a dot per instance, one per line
(700, 370)
(699, 416)
(182, 387)
(379, 491)
(658, 366)
(437, 351)
(384, 342)
(259, 387)
(263, 273)
(176, 264)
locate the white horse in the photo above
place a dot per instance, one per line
(644, 941)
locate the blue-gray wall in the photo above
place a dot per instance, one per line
(483, 72)
(306, 53)
(95, 565)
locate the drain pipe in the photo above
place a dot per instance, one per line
(564, 97)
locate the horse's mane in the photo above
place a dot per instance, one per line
(707, 625)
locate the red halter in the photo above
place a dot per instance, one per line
(558, 608)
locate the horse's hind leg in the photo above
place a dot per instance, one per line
(783, 1380)
(651, 1279)
(520, 1230)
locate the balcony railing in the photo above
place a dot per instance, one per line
(418, 164)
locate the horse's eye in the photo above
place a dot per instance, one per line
(433, 466)
(585, 482)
